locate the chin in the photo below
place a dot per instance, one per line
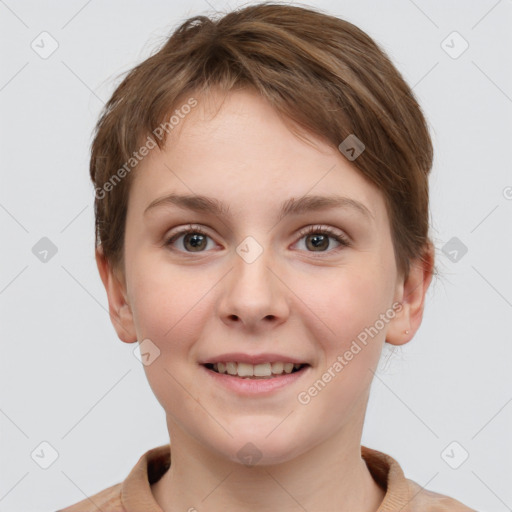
(260, 448)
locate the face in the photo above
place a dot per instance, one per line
(254, 283)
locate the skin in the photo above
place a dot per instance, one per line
(293, 299)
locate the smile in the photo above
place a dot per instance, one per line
(255, 371)
(244, 385)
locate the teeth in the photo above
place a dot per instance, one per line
(245, 370)
(288, 367)
(262, 370)
(265, 370)
(277, 368)
(231, 368)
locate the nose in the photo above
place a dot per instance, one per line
(254, 295)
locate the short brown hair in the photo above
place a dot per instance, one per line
(318, 71)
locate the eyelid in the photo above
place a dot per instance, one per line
(319, 228)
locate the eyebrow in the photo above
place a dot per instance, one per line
(292, 206)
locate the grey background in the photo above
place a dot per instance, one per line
(65, 377)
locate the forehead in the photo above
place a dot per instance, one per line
(236, 147)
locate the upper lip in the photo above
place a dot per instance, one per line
(238, 357)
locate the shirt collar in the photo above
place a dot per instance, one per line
(136, 492)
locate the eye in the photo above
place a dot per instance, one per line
(194, 239)
(320, 241)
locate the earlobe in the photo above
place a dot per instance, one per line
(119, 308)
(413, 291)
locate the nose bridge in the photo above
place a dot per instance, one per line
(252, 291)
(252, 277)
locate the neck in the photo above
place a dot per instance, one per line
(330, 476)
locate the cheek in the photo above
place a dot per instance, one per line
(350, 349)
(170, 310)
(343, 302)
(168, 303)
(344, 319)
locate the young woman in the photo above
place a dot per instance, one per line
(262, 228)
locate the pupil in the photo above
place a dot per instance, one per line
(193, 238)
(319, 243)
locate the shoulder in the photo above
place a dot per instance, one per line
(402, 493)
(108, 500)
(428, 501)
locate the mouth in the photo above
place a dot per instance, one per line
(263, 371)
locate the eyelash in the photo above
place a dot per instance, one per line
(341, 239)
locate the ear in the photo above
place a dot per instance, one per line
(411, 293)
(118, 306)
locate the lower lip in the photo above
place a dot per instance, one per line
(250, 386)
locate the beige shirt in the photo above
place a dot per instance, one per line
(134, 494)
